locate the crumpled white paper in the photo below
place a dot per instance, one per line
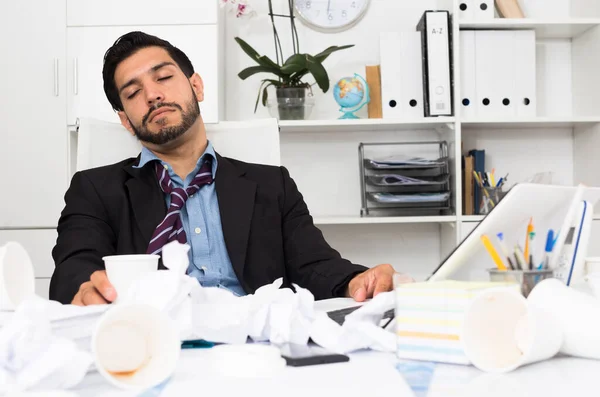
(270, 314)
(360, 330)
(33, 357)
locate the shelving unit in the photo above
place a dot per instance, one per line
(567, 28)
(563, 138)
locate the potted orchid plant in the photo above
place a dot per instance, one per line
(288, 74)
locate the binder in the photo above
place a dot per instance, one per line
(401, 75)
(525, 73)
(495, 73)
(373, 77)
(468, 185)
(436, 36)
(468, 87)
(483, 10)
(466, 9)
(479, 166)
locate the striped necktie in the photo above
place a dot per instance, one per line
(171, 228)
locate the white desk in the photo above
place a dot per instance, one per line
(371, 374)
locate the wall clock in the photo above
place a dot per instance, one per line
(331, 15)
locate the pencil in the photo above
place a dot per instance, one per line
(493, 253)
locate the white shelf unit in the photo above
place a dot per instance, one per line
(562, 139)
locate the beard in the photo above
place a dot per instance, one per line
(167, 134)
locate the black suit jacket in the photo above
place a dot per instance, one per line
(268, 230)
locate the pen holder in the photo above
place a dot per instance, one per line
(490, 197)
(527, 279)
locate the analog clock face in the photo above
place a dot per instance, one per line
(331, 15)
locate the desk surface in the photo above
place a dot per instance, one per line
(371, 374)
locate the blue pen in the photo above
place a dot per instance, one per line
(499, 182)
(550, 240)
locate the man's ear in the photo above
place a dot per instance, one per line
(197, 86)
(125, 122)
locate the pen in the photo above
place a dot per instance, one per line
(493, 178)
(528, 237)
(493, 253)
(505, 251)
(548, 249)
(520, 258)
(196, 344)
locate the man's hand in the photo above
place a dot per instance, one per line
(373, 281)
(97, 291)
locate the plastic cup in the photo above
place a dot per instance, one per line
(123, 270)
(577, 313)
(503, 331)
(17, 279)
(135, 346)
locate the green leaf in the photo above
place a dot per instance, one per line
(295, 64)
(328, 51)
(259, 91)
(265, 96)
(252, 70)
(263, 60)
(318, 71)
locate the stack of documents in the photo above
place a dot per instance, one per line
(429, 318)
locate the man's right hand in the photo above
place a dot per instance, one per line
(97, 291)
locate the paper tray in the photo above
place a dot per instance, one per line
(380, 183)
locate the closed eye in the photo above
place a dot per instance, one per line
(164, 78)
(133, 94)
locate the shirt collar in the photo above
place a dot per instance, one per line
(147, 156)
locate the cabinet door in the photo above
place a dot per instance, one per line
(33, 152)
(135, 12)
(86, 47)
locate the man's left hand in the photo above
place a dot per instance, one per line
(373, 281)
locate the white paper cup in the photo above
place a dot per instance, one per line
(592, 265)
(503, 331)
(135, 346)
(17, 279)
(577, 313)
(123, 270)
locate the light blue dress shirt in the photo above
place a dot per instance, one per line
(209, 260)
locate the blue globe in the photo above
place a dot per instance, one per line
(349, 92)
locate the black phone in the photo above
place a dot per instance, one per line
(301, 355)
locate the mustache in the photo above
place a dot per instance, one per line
(158, 106)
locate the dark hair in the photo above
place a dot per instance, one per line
(126, 46)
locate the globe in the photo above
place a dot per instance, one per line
(351, 93)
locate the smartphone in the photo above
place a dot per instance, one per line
(301, 355)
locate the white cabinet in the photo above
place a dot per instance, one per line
(33, 152)
(87, 45)
(148, 12)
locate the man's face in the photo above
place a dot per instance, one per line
(160, 103)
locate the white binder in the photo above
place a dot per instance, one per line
(495, 73)
(468, 87)
(525, 73)
(401, 75)
(466, 9)
(435, 39)
(483, 9)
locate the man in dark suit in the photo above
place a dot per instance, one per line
(246, 224)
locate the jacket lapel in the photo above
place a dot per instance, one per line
(236, 197)
(147, 201)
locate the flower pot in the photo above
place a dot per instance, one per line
(292, 103)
